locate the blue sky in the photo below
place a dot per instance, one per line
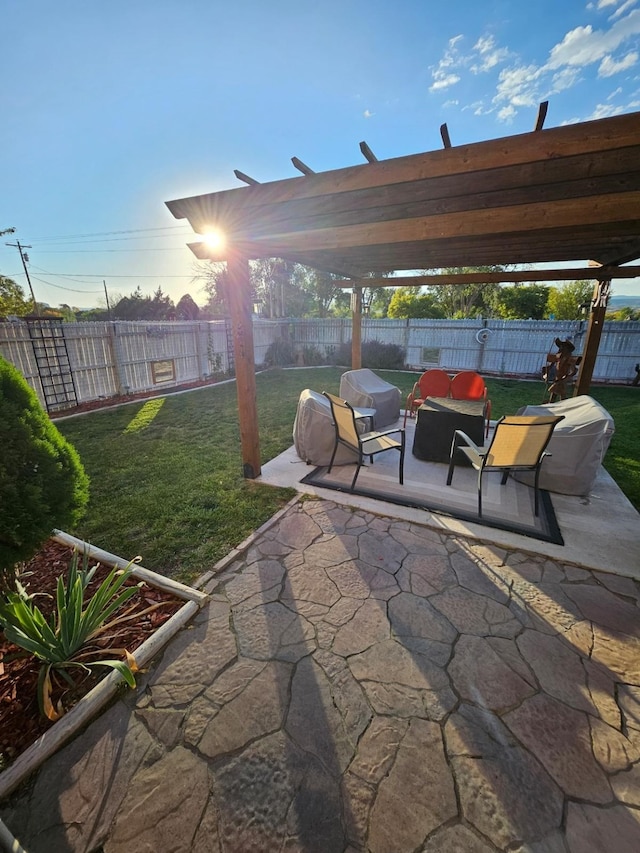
(109, 110)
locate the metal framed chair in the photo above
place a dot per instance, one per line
(364, 444)
(519, 444)
(469, 385)
(432, 383)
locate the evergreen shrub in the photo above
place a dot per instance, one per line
(280, 353)
(42, 481)
(376, 355)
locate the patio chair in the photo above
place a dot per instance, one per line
(365, 444)
(519, 444)
(432, 383)
(469, 385)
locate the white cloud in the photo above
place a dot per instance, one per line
(602, 4)
(519, 86)
(609, 66)
(623, 9)
(507, 113)
(490, 56)
(444, 75)
(367, 113)
(452, 102)
(443, 81)
(615, 92)
(584, 45)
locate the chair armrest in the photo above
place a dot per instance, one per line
(460, 434)
(376, 433)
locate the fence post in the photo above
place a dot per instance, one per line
(114, 349)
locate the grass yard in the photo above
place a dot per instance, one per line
(166, 474)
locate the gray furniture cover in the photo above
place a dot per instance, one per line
(314, 433)
(578, 445)
(364, 388)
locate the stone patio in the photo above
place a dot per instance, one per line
(359, 683)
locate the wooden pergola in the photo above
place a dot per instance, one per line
(564, 194)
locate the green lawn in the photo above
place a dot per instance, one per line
(166, 474)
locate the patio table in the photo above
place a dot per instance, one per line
(437, 420)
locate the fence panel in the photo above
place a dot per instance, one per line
(126, 357)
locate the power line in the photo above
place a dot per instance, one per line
(103, 251)
(72, 275)
(59, 287)
(109, 233)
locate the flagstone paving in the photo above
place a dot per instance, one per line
(363, 684)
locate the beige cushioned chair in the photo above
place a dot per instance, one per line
(518, 443)
(365, 444)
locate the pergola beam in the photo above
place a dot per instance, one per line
(542, 114)
(302, 167)
(444, 133)
(368, 153)
(570, 274)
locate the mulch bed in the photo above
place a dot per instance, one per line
(20, 720)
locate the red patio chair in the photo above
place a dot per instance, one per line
(432, 383)
(469, 385)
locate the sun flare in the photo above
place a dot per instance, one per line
(214, 239)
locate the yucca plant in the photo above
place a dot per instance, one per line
(63, 641)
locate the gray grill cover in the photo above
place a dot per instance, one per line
(314, 432)
(363, 388)
(578, 445)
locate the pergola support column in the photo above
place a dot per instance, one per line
(356, 328)
(239, 302)
(599, 302)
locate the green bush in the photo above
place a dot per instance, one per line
(376, 355)
(42, 482)
(280, 353)
(312, 356)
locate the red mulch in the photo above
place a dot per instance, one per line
(20, 720)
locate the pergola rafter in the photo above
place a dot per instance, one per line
(563, 194)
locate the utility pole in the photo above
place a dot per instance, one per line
(106, 296)
(24, 258)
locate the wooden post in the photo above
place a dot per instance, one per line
(594, 333)
(239, 302)
(356, 328)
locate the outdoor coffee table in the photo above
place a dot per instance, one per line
(437, 420)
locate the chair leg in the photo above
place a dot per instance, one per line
(401, 465)
(535, 491)
(480, 493)
(333, 456)
(451, 469)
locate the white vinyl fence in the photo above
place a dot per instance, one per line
(81, 362)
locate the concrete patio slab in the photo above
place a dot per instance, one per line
(366, 683)
(601, 530)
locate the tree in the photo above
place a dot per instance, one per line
(566, 302)
(522, 301)
(411, 302)
(186, 309)
(462, 301)
(12, 299)
(42, 482)
(139, 307)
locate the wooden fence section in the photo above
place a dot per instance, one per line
(109, 359)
